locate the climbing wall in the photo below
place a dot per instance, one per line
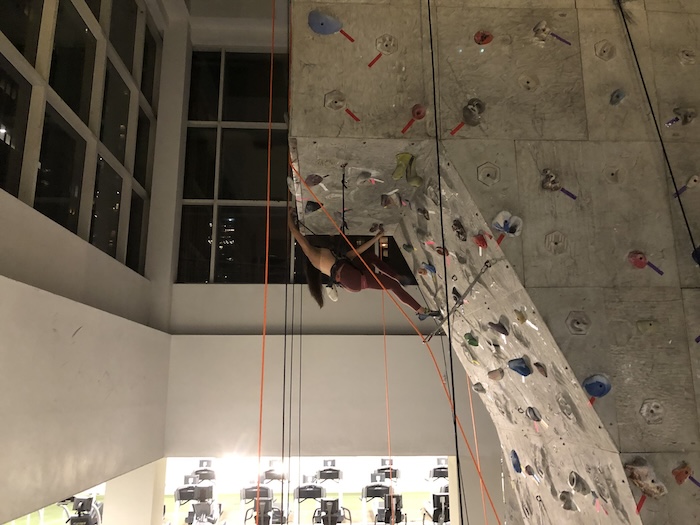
(581, 328)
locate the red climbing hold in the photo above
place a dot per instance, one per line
(483, 37)
(418, 112)
(480, 241)
(637, 259)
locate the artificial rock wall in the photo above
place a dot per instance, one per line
(562, 293)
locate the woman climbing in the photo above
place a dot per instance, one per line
(350, 274)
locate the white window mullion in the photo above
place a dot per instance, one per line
(124, 212)
(32, 145)
(217, 174)
(138, 44)
(46, 33)
(89, 18)
(87, 191)
(98, 86)
(131, 130)
(106, 16)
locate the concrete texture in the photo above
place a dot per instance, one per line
(564, 289)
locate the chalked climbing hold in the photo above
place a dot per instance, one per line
(682, 473)
(311, 206)
(479, 388)
(442, 251)
(497, 374)
(533, 414)
(637, 259)
(520, 316)
(471, 113)
(510, 225)
(550, 180)
(520, 366)
(597, 385)
(616, 97)
(408, 247)
(515, 461)
(423, 213)
(388, 201)
(459, 230)
(541, 369)
(499, 327)
(403, 163)
(323, 24)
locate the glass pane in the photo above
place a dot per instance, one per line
(148, 75)
(136, 233)
(60, 176)
(195, 244)
(15, 93)
(73, 60)
(105, 208)
(240, 251)
(244, 164)
(204, 86)
(122, 30)
(94, 6)
(20, 21)
(247, 87)
(143, 136)
(115, 113)
(200, 163)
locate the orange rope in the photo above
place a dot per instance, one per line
(388, 417)
(476, 446)
(267, 260)
(415, 328)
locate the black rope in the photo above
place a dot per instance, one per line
(343, 224)
(657, 126)
(462, 500)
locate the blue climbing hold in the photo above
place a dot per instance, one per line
(323, 24)
(430, 268)
(520, 366)
(311, 206)
(515, 460)
(597, 385)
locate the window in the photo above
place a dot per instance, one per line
(93, 175)
(73, 60)
(15, 92)
(225, 189)
(20, 21)
(60, 176)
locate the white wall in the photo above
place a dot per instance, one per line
(82, 397)
(213, 401)
(211, 309)
(37, 251)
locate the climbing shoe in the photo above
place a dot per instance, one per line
(403, 163)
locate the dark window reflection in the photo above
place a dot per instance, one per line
(200, 163)
(148, 75)
(204, 86)
(143, 136)
(195, 244)
(20, 21)
(115, 113)
(104, 226)
(15, 93)
(135, 244)
(60, 174)
(244, 165)
(247, 87)
(73, 60)
(122, 30)
(240, 251)
(94, 6)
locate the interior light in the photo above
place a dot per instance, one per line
(2, 130)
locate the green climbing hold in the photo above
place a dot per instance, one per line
(471, 340)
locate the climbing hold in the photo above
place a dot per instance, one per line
(408, 247)
(387, 44)
(637, 259)
(687, 57)
(550, 181)
(541, 30)
(314, 180)
(652, 411)
(578, 484)
(510, 225)
(567, 501)
(647, 326)
(597, 385)
(541, 369)
(497, 374)
(323, 24)
(499, 327)
(471, 113)
(403, 164)
(480, 241)
(696, 255)
(428, 268)
(376, 227)
(388, 201)
(311, 206)
(556, 242)
(418, 112)
(578, 323)
(483, 37)
(533, 414)
(686, 115)
(424, 213)
(528, 82)
(459, 230)
(616, 97)
(471, 339)
(520, 366)
(488, 174)
(515, 461)
(643, 476)
(605, 50)
(565, 406)
(520, 316)
(682, 473)
(531, 472)
(479, 388)
(442, 251)
(456, 296)
(332, 293)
